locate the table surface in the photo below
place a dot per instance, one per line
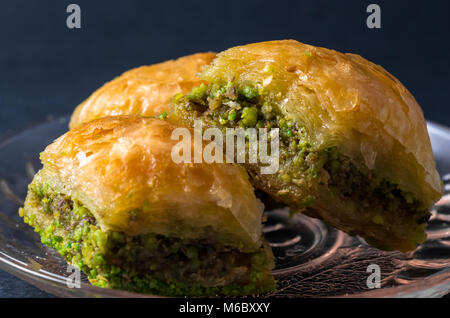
(10, 286)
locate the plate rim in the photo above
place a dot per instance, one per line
(32, 276)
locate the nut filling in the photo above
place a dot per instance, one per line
(148, 263)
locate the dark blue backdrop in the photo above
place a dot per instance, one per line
(47, 69)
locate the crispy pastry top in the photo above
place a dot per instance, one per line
(144, 91)
(121, 169)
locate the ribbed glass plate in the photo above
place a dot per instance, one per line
(312, 259)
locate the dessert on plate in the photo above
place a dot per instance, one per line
(353, 151)
(111, 201)
(354, 146)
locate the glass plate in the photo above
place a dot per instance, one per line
(312, 259)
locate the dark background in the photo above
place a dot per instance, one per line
(47, 69)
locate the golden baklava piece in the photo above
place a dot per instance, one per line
(111, 201)
(354, 148)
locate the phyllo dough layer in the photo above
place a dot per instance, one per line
(144, 90)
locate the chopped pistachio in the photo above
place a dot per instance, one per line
(198, 92)
(248, 92)
(377, 219)
(286, 178)
(163, 115)
(232, 115)
(249, 116)
(308, 201)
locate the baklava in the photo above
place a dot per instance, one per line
(354, 148)
(111, 201)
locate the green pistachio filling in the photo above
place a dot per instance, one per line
(230, 106)
(147, 263)
(301, 164)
